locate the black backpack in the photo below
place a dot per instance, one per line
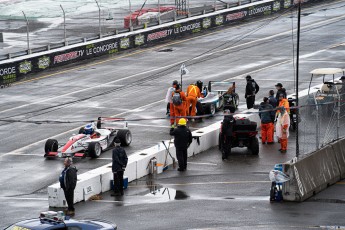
(177, 99)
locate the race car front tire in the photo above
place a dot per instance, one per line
(125, 137)
(51, 145)
(210, 108)
(94, 149)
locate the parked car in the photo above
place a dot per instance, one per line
(56, 220)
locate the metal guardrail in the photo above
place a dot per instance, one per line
(192, 13)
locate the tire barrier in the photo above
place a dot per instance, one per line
(314, 173)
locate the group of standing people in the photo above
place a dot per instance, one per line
(275, 110)
(181, 104)
(68, 176)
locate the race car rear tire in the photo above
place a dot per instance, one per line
(254, 146)
(94, 149)
(51, 145)
(237, 100)
(125, 137)
(210, 108)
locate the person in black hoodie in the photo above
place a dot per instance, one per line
(226, 133)
(119, 165)
(280, 90)
(68, 181)
(252, 88)
(182, 139)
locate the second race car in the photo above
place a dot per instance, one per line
(91, 141)
(218, 95)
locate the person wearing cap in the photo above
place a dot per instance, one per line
(282, 129)
(252, 88)
(168, 99)
(267, 115)
(280, 90)
(182, 139)
(226, 131)
(68, 182)
(119, 165)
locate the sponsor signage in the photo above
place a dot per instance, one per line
(18, 70)
(139, 40)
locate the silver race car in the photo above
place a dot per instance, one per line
(216, 97)
(91, 141)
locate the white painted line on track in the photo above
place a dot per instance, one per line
(23, 198)
(200, 163)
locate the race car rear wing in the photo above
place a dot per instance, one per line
(113, 121)
(220, 86)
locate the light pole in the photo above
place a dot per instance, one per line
(297, 75)
(215, 5)
(64, 24)
(159, 12)
(27, 32)
(99, 20)
(130, 14)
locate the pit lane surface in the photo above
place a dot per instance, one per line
(133, 85)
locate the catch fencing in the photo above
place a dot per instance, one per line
(322, 117)
(32, 31)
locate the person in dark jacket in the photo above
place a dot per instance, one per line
(68, 181)
(182, 139)
(226, 133)
(119, 165)
(252, 88)
(280, 90)
(267, 116)
(271, 99)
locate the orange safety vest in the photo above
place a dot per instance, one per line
(193, 90)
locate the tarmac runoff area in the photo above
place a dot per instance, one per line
(213, 194)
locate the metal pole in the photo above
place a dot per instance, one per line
(159, 12)
(188, 8)
(99, 20)
(27, 32)
(64, 24)
(215, 5)
(130, 13)
(297, 77)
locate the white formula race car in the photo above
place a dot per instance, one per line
(91, 141)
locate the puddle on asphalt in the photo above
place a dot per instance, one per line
(168, 194)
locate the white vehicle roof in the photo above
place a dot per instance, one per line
(326, 71)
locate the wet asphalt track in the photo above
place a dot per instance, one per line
(134, 86)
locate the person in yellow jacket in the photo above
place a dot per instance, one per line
(193, 93)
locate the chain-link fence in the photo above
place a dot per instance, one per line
(322, 117)
(26, 26)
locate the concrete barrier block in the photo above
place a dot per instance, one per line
(311, 174)
(131, 170)
(339, 150)
(89, 184)
(56, 196)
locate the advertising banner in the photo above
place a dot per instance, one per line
(10, 73)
